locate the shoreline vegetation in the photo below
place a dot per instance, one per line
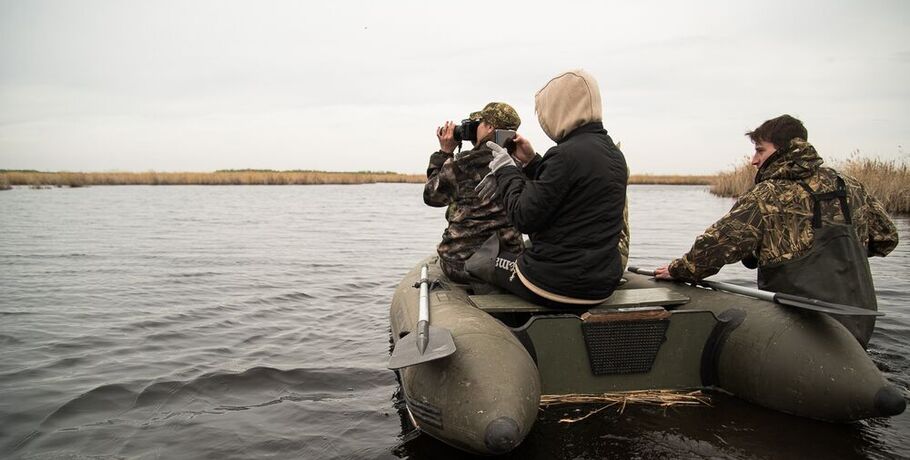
(889, 181)
(42, 179)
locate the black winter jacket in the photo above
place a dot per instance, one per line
(570, 202)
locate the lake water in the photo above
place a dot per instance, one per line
(252, 322)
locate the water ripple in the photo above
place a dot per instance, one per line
(252, 322)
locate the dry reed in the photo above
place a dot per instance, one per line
(261, 177)
(233, 177)
(736, 182)
(669, 179)
(662, 398)
(889, 181)
(4, 183)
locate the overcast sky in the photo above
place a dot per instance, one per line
(202, 85)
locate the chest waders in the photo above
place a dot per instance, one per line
(835, 268)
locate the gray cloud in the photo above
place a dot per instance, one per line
(202, 85)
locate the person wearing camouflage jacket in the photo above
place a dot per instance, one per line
(451, 179)
(773, 226)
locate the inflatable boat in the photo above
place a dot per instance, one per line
(483, 395)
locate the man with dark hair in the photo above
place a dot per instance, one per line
(808, 228)
(779, 131)
(451, 179)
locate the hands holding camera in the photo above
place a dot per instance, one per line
(446, 136)
(523, 152)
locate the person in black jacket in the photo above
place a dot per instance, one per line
(570, 202)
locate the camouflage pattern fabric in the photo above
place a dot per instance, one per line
(451, 182)
(498, 114)
(624, 236)
(772, 222)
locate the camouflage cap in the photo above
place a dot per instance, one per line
(498, 114)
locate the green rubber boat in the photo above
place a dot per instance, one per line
(649, 335)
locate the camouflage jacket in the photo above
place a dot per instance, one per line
(772, 222)
(450, 182)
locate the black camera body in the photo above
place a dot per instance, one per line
(467, 130)
(505, 138)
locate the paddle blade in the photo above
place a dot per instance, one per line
(407, 354)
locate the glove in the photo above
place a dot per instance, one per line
(486, 189)
(500, 157)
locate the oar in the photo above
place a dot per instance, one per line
(781, 298)
(429, 342)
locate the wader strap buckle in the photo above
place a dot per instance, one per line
(840, 193)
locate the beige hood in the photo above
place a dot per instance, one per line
(569, 100)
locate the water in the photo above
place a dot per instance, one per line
(251, 322)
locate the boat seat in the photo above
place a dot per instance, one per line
(623, 298)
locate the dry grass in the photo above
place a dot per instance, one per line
(889, 181)
(662, 398)
(736, 182)
(669, 179)
(234, 177)
(260, 177)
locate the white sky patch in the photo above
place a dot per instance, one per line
(205, 85)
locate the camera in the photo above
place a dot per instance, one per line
(505, 138)
(467, 130)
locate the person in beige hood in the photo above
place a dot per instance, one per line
(569, 201)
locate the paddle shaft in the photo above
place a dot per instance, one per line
(777, 297)
(431, 342)
(742, 290)
(423, 313)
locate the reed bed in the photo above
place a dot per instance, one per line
(229, 177)
(4, 183)
(260, 177)
(889, 181)
(736, 182)
(662, 398)
(669, 179)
